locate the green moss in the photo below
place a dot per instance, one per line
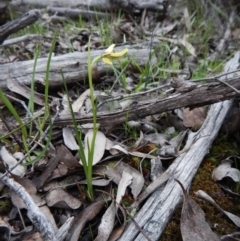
(5, 206)
(134, 162)
(221, 149)
(111, 165)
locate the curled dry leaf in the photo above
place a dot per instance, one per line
(113, 174)
(107, 223)
(168, 151)
(118, 148)
(109, 144)
(85, 216)
(67, 158)
(235, 219)
(97, 182)
(61, 199)
(24, 91)
(116, 174)
(157, 138)
(225, 170)
(186, 18)
(177, 140)
(88, 105)
(10, 162)
(188, 46)
(125, 181)
(125, 151)
(140, 154)
(18, 155)
(40, 180)
(69, 139)
(139, 141)
(173, 146)
(66, 164)
(65, 104)
(229, 191)
(68, 181)
(193, 224)
(193, 118)
(116, 233)
(99, 146)
(231, 237)
(77, 105)
(63, 230)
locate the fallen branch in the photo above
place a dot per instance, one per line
(17, 24)
(73, 65)
(74, 13)
(201, 95)
(41, 223)
(131, 5)
(158, 209)
(27, 37)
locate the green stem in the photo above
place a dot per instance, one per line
(94, 111)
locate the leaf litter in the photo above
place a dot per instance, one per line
(193, 224)
(49, 181)
(232, 217)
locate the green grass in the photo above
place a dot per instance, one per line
(35, 28)
(26, 132)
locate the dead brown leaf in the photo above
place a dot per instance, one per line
(107, 223)
(193, 118)
(85, 216)
(235, 219)
(61, 199)
(193, 224)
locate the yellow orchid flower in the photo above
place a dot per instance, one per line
(108, 55)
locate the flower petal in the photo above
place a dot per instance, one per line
(109, 50)
(118, 54)
(107, 61)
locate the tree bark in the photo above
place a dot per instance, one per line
(73, 65)
(131, 5)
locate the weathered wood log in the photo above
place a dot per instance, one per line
(130, 5)
(73, 65)
(38, 218)
(158, 209)
(17, 24)
(202, 95)
(75, 13)
(27, 37)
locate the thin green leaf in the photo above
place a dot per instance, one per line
(42, 153)
(9, 105)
